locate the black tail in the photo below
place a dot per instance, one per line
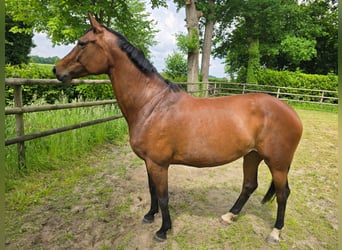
(270, 194)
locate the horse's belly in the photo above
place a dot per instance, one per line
(210, 154)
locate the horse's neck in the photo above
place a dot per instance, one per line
(135, 92)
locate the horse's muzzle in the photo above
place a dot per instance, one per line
(61, 77)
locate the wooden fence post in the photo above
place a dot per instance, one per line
(19, 127)
(243, 88)
(322, 97)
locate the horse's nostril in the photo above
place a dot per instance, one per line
(54, 70)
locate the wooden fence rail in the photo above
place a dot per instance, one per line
(289, 94)
(215, 89)
(19, 110)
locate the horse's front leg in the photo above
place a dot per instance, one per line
(158, 181)
(149, 217)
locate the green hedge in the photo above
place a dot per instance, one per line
(297, 80)
(31, 71)
(51, 93)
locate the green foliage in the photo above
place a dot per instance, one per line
(158, 3)
(31, 70)
(297, 80)
(298, 49)
(323, 14)
(253, 61)
(242, 74)
(44, 60)
(188, 43)
(176, 67)
(292, 34)
(52, 93)
(58, 150)
(65, 21)
(268, 80)
(49, 93)
(18, 45)
(95, 91)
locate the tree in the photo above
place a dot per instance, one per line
(324, 14)
(65, 21)
(17, 45)
(192, 19)
(298, 49)
(176, 67)
(200, 13)
(208, 9)
(279, 33)
(250, 29)
(44, 60)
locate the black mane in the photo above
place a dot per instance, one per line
(138, 58)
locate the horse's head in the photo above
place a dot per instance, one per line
(89, 56)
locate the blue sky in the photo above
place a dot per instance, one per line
(169, 22)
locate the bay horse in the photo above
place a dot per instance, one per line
(169, 126)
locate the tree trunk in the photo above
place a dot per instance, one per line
(192, 25)
(253, 60)
(206, 51)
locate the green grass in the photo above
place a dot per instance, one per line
(61, 150)
(314, 107)
(310, 221)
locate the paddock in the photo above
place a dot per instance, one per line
(94, 204)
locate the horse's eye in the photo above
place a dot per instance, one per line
(82, 44)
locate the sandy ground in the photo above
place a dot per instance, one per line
(105, 210)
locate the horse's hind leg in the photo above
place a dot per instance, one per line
(251, 162)
(282, 192)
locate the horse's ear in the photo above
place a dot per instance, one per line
(95, 24)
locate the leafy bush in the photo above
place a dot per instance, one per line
(95, 91)
(52, 93)
(300, 80)
(297, 80)
(31, 93)
(31, 70)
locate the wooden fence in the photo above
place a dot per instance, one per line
(215, 89)
(19, 110)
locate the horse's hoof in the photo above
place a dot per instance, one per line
(228, 218)
(160, 237)
(274, 236)
(272, 240)
(148, 220)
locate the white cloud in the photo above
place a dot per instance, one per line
(44, 47)
(169, 22)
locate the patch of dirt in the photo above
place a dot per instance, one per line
(105, 210)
